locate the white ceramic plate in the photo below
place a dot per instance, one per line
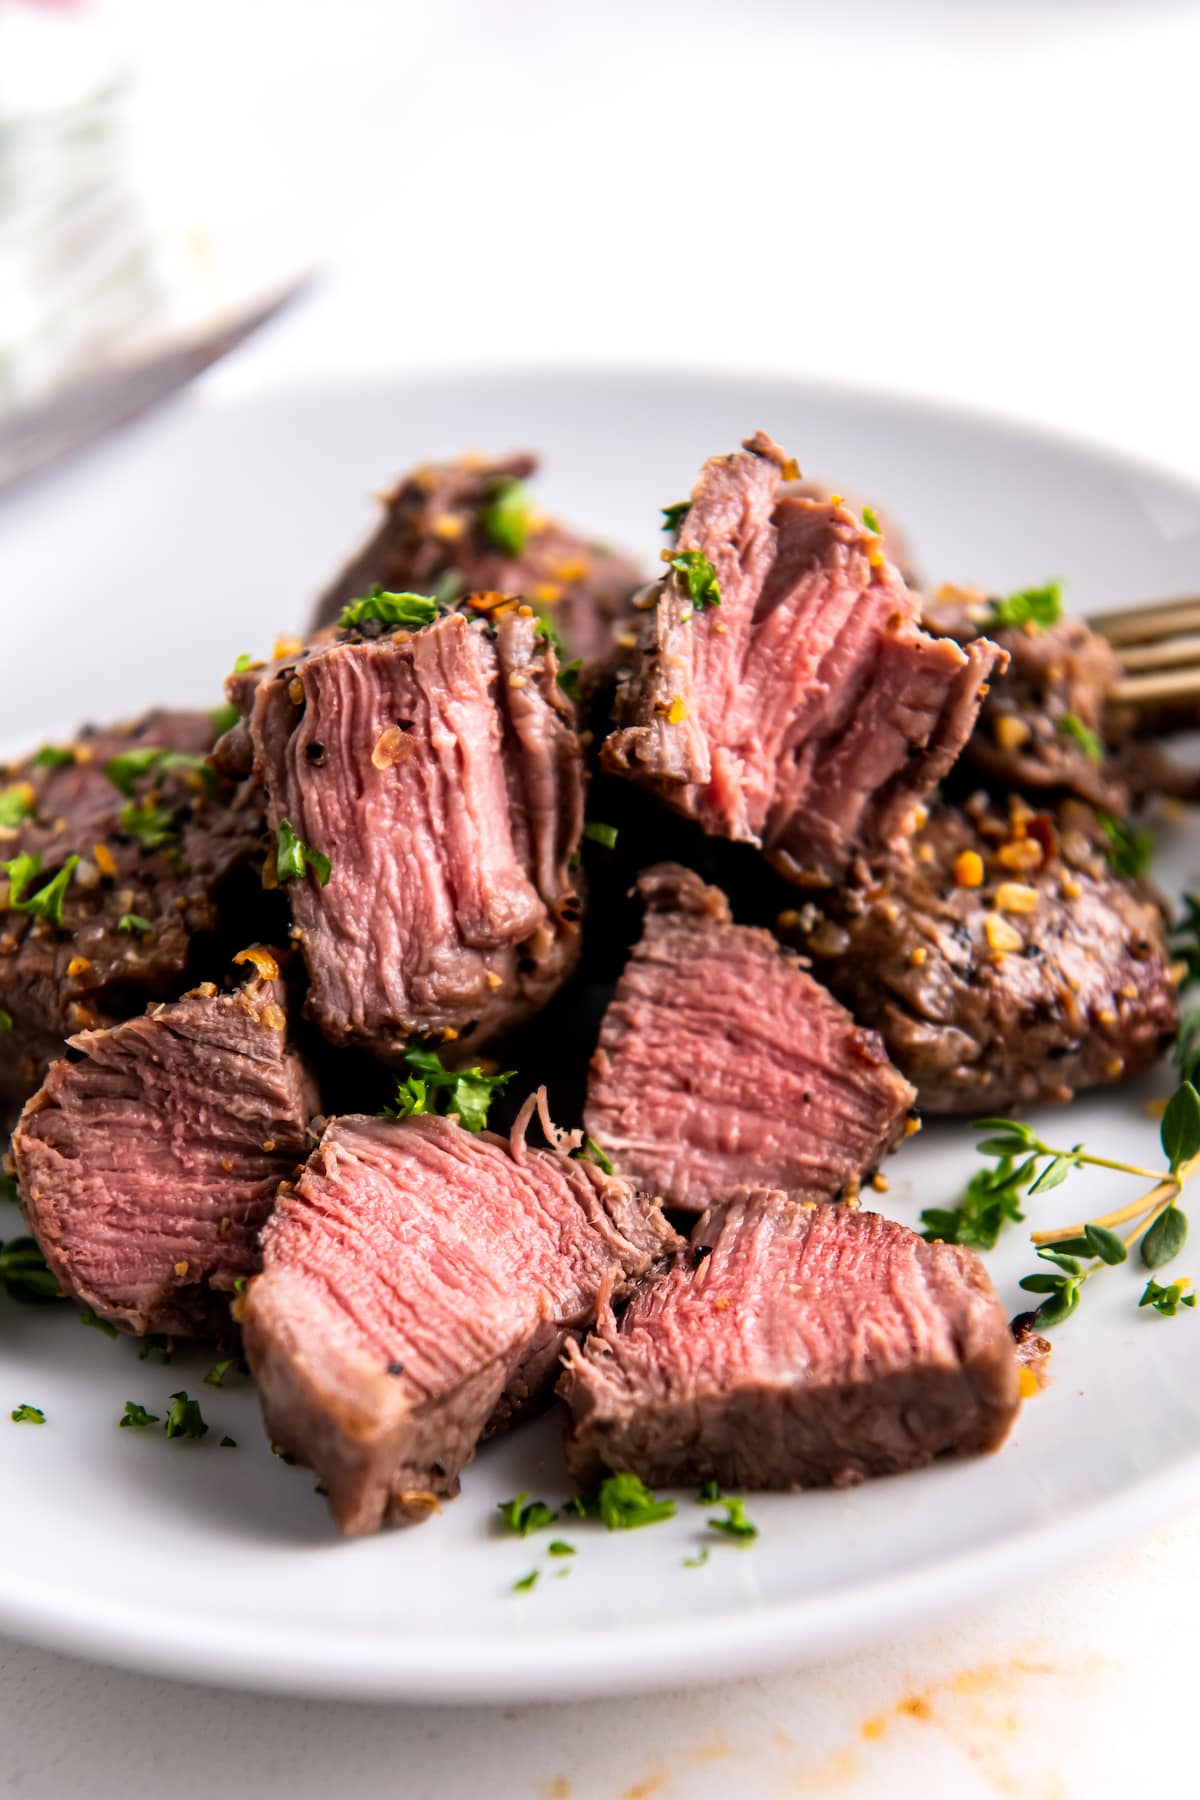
(137, 575)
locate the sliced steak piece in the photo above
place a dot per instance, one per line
(794, 1345)
(418, 1282)
(466, 527)
(440, 773)
(1003, 963)
(1041, 726)
(148, 1161)
(807, 712)
(723, 1064)
(163, 865)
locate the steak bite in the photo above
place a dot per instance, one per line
(1002, 962)
(794, 1345)
(1040, 729)
(149, 1159)
(723, 1064)
(439, 772)
(418, 1282)
(467, 527)
(800, 706)
(136, 845)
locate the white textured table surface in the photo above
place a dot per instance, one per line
(991, 203)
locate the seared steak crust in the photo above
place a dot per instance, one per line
(794, 1345)
(418, 1282)
(985, 1008)
(807, 712)
(722, 1063)
(55, 980)
(435, 527)
(149, 1160)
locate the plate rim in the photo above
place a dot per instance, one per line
(740, 1642)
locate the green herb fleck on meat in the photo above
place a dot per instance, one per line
(523, 1515)
(397, 611)
(1072, 726)
(293, 856)
(16, 803)
(700, 577)
(1040, 606)
(505, 519)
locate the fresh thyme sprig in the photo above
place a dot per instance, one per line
(1025, 1163)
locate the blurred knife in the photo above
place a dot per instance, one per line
(37, 440)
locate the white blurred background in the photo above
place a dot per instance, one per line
(988, 200)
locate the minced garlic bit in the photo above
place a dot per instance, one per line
(1027, 1382)
(286, 647)
(925, 853)
(917, 956)
(262, 960)
(880, 1183)
(546, 593)
(920, 817)
(268, 1146)
(875, 559)
(1015, 897)
(449, 527)
(181, 1269)
(1021, 854)
(103, 858)
(677, 711)
(968, 869)
(835, 499)
(273, 1017)
(1001, 936)
(493, 980)
(575, 569)
(449, 1034)
(515, 680)
(78, 965)
(788, 920)
(1106, 1016)
(789, 470)
(1010, 731)
(1114, 1067)
(721, 1303)
(1071, 889)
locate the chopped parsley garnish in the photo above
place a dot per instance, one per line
(224, 717)
(701, 578)
(546, 628)
(228, 1443)
(568, 679)
(505, 519)
(523, 1515)
(675, 514)
(527, 1582)
(467, 1092)
(16, 803)
(154, 827)
(24, 1276)
(600, 833)
(1167, 1300)
(88, 1317)
(623, 1503)
(991, 1200)
(560, 1547)
(6, 1020)
(591, 1152)
(54, 756)
(216, 1375)
(245, 661)
(1129, 848)
(1030, 606)
(397, 611)
(735, 1524)
(47, 903)
(698, 1561)
(293, 856)
(133, 922)
(184, 1419)
(27, 1415)
(136, 1417)
(870, 521)
(709, 1494)
(1072, 726)
(132, 765)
